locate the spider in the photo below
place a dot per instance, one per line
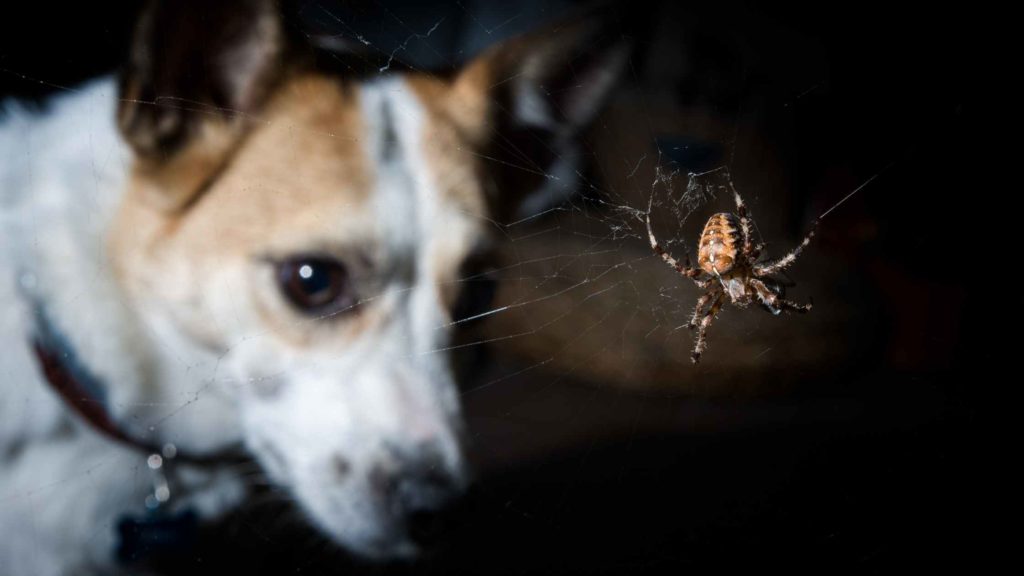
(728, 267)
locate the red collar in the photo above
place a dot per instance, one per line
(77, 396)
(83, 393)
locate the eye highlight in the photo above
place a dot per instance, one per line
(316, 285)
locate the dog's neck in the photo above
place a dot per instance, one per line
(59, 202)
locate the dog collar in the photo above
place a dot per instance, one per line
(85, 394)
(161, 531)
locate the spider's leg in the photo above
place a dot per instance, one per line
(755, 252)
(741, 209)
(774, 302)
(766, 295)
(790, 305)
(684, 267)
(782, 263)
(705, 323)
(699, 309)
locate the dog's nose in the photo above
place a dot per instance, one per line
(424, 495)
(427, 505)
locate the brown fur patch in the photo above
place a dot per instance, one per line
(450, 154)
(300, 182)
(447, 144)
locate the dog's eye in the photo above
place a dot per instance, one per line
(316, 285)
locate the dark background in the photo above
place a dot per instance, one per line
(868, 461)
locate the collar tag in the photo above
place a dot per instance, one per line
(158, 534)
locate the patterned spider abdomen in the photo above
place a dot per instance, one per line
(719, 244)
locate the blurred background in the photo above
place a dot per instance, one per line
(840, 440)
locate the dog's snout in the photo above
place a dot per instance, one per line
(423, 494)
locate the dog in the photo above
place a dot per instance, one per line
(251, 245)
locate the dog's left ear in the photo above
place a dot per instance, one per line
(525, 101)
(197, 69)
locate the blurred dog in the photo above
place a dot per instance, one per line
(251, 245)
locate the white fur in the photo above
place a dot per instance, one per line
(63, 487)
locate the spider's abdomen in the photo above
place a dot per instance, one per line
(719, 244)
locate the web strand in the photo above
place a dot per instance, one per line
(857, 189)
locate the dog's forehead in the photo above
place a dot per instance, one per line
(426, 187)
(335, 161)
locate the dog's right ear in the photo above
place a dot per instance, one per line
(524, 102)
(197, 68)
